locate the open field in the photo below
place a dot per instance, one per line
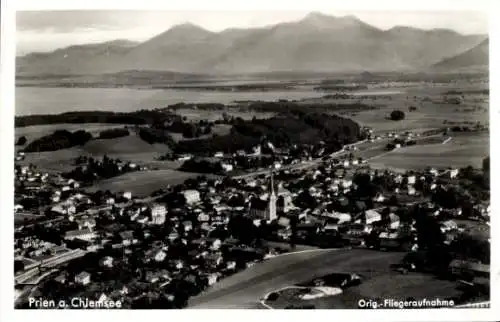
(245, 289)
(432, 111)
(391, 285)
(37, 131)
(142, 183)
(129, 148)
(461, 151)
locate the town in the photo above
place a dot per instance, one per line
(161, 250)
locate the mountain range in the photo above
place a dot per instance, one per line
(317, 43)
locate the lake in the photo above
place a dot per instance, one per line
(45, 100)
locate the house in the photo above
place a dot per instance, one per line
(188, 225)
(158, 214)
(127, 237)
(231, 265)
(219, 154)
(379, 198)
(177, 264)
(284, 222)
(227, 167)
(448, 225)
(160, 256)
(211, 278)
(107, 261)
(372, 216)
(83, 234)
(86, 223)
(191, 196)
(83, 278)
(346, 183)
(142, 219)
(127, 195)
(203, 217)
(453, 173)
(214, 243)
(173, 235)
(412, 180)
(393, 221)
(411, 191)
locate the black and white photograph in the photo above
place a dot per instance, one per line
(267, 159)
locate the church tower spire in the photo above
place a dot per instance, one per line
(272, 200)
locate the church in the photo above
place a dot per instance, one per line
(268, 207)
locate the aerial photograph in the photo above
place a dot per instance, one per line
(251, 160)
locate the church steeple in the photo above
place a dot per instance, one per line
(272, 182)
(272, 200)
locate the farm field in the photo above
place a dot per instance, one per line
(459, 152)
(431, 112)
(142, 183)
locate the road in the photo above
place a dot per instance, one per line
(245, 289)
(316, 162)
(299, 166)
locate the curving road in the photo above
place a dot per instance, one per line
(245, 289)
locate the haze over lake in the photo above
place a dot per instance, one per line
(38, 100)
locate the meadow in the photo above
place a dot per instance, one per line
(142, 183)
(129, 148)
(461, 151)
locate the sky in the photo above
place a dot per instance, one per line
(39, 31)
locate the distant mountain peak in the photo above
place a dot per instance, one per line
(321, 17)
(321, 20)
(188, 27)
(403, 28)
(316, 15)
